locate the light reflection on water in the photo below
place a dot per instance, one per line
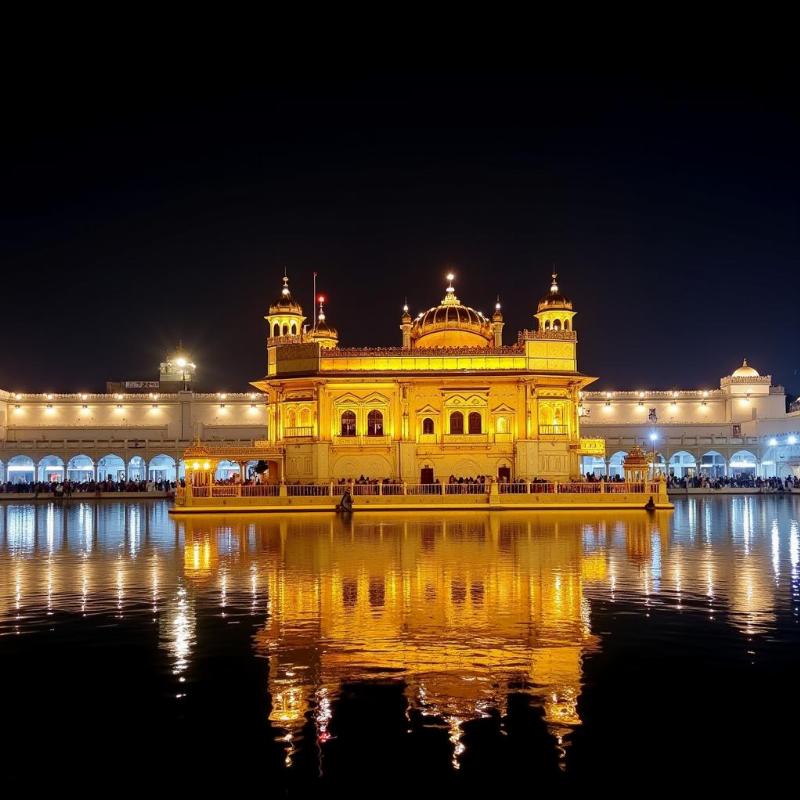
(464, 609)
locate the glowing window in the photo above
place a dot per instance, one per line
(349, 423)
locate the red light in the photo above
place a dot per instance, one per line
(321, 298)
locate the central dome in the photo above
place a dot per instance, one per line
(451, 324)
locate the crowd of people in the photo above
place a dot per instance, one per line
(68, 488)
(734, 482)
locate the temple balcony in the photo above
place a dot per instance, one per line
(362, 441)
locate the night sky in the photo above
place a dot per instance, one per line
(166, 208)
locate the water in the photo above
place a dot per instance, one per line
(301, 652)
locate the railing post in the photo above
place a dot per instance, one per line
(380, 487)
(405, 488)
(282, 491)
(330, 489)
(602, 487)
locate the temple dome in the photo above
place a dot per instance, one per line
(285, 304)
(554, 299)
(451, 324)
(745, 371)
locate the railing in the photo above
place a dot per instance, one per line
(552, 430)
(297, 432)
(309, 490)
(201, 491)
(225, 491)
(466, 488)
(423, 488)
(261, 490)
(579, 487)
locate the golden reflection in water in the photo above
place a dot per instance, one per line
(463, 609)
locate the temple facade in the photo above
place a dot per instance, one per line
(451, 400)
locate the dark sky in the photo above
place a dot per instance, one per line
(139, 209)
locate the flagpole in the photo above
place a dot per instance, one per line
(314, 305)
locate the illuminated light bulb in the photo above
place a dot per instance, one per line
(181, 362)
(451, 276)
(641, 394)
(83, 396)
(497, 306)
(206, 465)
(792, 440)
(196, 465)
(252, 395)
(653, 437)
(49, 397)
(18, 395)
(773, 441)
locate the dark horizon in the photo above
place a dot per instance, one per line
(163, 211)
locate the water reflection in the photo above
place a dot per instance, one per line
(464, 611)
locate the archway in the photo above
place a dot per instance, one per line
(80, 469)
(137, 469)
(682, 464)
(111, 467)
(226, 470)
(615, 469)
(51, 469)
(712, 464)
(161, 468)
(591, 465)
(20, 469)
(743, 463)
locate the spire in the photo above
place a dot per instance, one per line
(498, 311)
(285, 291)
(321, 315)
(554, 284)
(450, 298)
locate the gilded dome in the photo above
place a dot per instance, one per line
(451, 324)
(327, 335)
(554, 299)
(745, 371)
(285, 303)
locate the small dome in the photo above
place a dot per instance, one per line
(745, 371)
(286, 303)
(554, 299)
(322, 330)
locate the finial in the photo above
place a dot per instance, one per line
(497, 304)
(450, 277)
(744, 363)
(321, 315)
(450, 295)
(285, 290)
(554, 284)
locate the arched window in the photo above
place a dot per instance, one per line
(502, 425)
(348, 423)
(474, 422)
(285, 330)
(305, 419)
(427, 426)
(374, 423)
(291, 419)
(566, 324)
(456, 422)
(557, 325)
(294, 328)
(276, 329)
(547, 325)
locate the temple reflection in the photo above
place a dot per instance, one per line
(463, 610)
